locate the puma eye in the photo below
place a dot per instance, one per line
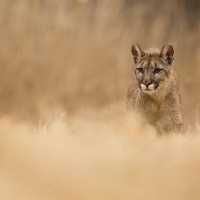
(140, 70)
(157, 70)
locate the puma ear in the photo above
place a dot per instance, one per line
(167, 53)
(137, 52)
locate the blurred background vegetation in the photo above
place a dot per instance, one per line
(67, 55)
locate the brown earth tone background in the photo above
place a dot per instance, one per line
(61, 56)
(64, 72)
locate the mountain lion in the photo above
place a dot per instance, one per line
(153, 93)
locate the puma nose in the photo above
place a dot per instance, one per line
(146, 83)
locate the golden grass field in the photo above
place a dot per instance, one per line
(65, 67)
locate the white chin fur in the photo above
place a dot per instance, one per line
(150, 88)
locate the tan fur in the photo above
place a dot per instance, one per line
(161, 107)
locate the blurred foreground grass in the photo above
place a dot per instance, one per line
(90, 159)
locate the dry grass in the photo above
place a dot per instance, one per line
(63, 56)
(90, 159)
(74, 57)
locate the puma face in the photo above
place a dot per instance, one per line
(151, 74)
(152, 67)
